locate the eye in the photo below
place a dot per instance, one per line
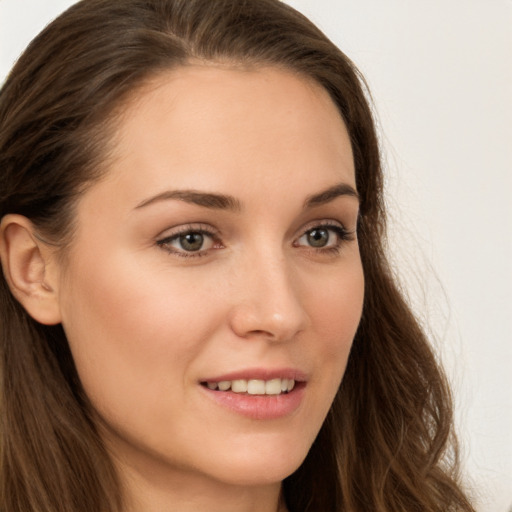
(189, 242)
(192, 241)
(328, 236)
(318, 237)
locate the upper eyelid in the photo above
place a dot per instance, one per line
(322, 222)
(326, 223)
(188, 228)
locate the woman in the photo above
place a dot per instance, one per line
(197, 312)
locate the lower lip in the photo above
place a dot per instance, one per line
(260, 407)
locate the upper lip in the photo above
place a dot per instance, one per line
(260, 374)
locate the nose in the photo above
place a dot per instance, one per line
(267, 300)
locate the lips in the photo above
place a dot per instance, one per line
(258, 394)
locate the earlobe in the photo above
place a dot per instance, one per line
(29, 268)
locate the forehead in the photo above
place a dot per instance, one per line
(219, 127)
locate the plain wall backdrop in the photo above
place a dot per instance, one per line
(441, 77)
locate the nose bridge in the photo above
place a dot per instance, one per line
(268, 301)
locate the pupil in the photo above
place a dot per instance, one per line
(192, 241)
(318, 237)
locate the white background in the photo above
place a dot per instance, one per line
(441, 76)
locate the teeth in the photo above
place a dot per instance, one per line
(239, 386)
(224, 385)
(254, 386)
(273, 387)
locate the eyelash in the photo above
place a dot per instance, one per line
(343, 235)
(206, 231)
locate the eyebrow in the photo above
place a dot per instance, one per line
(205, 199)
(227, 202)
(328, 195)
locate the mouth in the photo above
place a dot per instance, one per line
(258, 393)
(274, 387)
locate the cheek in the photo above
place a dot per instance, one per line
(132, 333)
(335, 307)
(335, 310)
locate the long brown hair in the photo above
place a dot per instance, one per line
(387, 444)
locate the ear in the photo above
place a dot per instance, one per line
(30, 269)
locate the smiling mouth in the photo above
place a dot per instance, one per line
(253, 386)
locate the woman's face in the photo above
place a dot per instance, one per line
(215, 265)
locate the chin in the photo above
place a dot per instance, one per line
(261, 466)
